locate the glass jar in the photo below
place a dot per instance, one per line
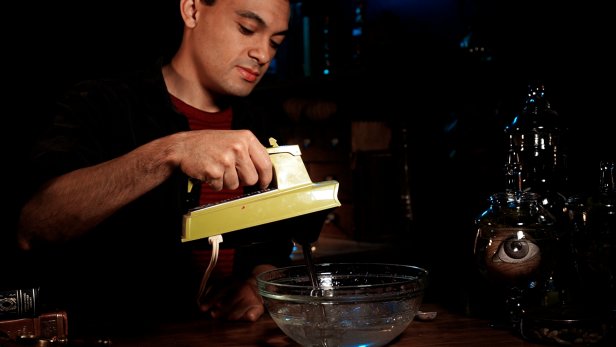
(516, 251)
(594, 241)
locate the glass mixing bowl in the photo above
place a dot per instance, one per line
(361, 304)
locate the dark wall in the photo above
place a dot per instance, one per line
(455, 100)
(565, 45)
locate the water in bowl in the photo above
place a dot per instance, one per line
(335, 324)
(364, 328)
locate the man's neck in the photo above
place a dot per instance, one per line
(185, 90)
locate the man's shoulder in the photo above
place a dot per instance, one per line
(138, 94)
(124, 84)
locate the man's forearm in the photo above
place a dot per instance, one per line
(62, 209)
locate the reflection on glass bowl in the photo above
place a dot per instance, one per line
(362, 304)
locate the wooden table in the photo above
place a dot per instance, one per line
(448, 329)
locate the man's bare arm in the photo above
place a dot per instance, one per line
(62, 209)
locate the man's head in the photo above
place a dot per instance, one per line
(228, 45)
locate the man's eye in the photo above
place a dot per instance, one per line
(245, 30)
(275, 44)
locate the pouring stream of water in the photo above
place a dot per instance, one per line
(307, 249)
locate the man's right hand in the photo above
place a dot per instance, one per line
(224, 158)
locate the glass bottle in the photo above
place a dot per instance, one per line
(514, 178)
(515, 252)
(584, 311)
(600, 251)
(536, 135)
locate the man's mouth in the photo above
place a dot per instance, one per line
(249, 75)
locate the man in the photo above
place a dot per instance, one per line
(109, 176)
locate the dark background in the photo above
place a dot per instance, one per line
(410, 67)
(407, 68)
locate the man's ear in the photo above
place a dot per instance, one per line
(188, 9)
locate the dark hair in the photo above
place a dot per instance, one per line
(208, 2)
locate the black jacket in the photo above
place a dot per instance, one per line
(133, 264)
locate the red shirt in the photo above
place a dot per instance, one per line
(198, 120)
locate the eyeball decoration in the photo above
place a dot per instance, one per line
(512, 254)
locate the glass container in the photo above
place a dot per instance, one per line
(516, 252)
(353, 304)
(537, 137)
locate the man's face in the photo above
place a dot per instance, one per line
(234, 42)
